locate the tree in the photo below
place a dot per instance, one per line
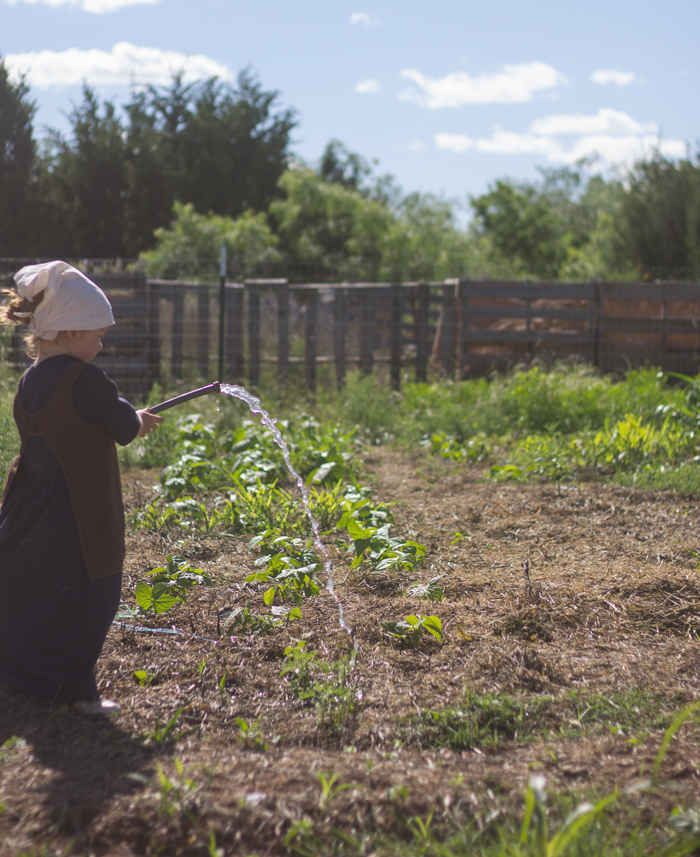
(193, 239)
(17, 166)
(661, 215)
(86, 184)
(522, 226)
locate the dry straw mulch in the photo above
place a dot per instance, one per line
(611, 607)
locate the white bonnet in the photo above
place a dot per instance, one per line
(71, 301)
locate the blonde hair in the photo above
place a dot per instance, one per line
(9, 314)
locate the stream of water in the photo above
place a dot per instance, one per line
(270, 423)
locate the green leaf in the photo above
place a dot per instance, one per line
(356, 531)
(433, 625)
(269, 596)
(162, 599)
(144, 595)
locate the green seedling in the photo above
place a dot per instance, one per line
(242, 620)
(166, 734)
(329, 789)
(147, 676)
(170, 586)
(177, 793)
(251, 735)
(411, 627)
(381, 550)
(291, 567)
(430, 590)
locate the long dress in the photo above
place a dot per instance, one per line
(53, 620)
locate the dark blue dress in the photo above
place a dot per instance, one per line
(53, 620)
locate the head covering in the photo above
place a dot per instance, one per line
(71, 301)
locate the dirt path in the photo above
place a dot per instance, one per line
(588, 659)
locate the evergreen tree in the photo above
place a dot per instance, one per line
(17, 167)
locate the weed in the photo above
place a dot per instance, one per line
(411, 628)
(147, 676)
(251, 735)
(166, 734)
(430, 590)
(381, 550)
(171, 583)
(178, 793)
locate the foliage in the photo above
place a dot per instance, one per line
(242, 619)
(17, 165)
(170, 586)
(107, 187)
(291, 566)
(193, 239)
(382, 551)
(411, 628)
(325, 685)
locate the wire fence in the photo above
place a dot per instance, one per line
(315, 332)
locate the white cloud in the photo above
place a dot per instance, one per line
(96, 6)
(458, 143)
(416, 146)
(605, 121)
(368, 87)
(620, 150)
(363, 18)
(619, 78)
(513, 84)
(623, 150)
(124, 64)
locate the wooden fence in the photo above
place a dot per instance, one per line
(462, 328)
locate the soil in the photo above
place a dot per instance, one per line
(609, 609)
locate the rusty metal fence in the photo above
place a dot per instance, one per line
(169, 330)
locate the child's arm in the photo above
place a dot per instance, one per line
(148, 421)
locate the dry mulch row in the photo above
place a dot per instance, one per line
(611, 607)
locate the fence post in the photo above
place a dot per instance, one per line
(253, 334)
(339, 328)
(395, 337)
(598, 334)
(310, 350)
(178, 294)
(463, 326)
(422, 322)
(366, 297)
(152, 330)
(282, 335)
(448, 330)
(203, 331)
(234, 334)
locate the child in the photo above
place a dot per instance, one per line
(61, 513)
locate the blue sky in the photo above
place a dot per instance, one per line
(447, 95)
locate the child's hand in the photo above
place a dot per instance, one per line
(148, 421)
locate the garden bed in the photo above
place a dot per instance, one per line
(573, 671)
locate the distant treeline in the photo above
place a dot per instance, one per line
(180, 169)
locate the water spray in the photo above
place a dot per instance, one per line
(270, 423)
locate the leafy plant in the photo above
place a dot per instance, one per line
(430, 590)
(326, 685)
(177, 793)
(146, 677)
(170, 585)
(291, 566)
(251, 735)
(242, 619)
(381, 550)
(411, 627)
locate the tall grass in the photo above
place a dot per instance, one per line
(532, 424)
(9, 439)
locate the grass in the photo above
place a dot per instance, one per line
(487, 720)
(561, 425)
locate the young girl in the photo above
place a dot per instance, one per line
(61, 513)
